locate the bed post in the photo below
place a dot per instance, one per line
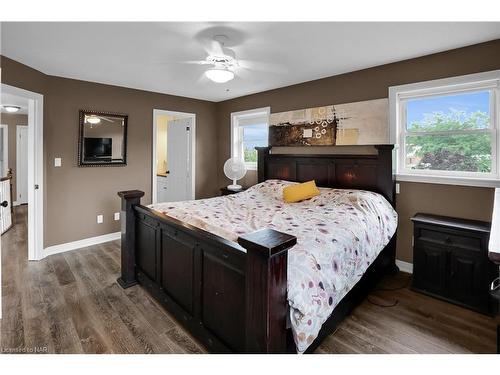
(266, 290)
(387, 187)
(262, 153)
(130, 199)
(385, 174)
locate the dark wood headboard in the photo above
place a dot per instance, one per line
(352, 171)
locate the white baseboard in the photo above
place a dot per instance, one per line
(404, 266)
(56, 249)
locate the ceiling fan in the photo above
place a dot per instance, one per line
(223, 60)
(94, 119)
(225, 65)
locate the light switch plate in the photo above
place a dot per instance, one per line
(100, 219)
(117, 216)
(57, 162)
(397, 188)
(308, 133)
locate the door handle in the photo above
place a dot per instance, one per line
(4, 204)
(167, 172)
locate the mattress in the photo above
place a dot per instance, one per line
(339, 234)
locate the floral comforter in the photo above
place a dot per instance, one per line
(339, 234)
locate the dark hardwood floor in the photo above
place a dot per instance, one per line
(70, 303)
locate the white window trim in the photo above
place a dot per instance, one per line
(236, 141)
(466, 83)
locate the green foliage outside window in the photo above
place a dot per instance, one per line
(456, 152)
(250, 155)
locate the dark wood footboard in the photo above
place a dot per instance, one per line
(231, 297)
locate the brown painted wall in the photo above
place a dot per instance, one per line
(73, 195)
(12, 120)
(373, 83)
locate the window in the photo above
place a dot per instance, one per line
(249, 129)
(446, 131)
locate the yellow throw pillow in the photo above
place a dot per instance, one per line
(299, 192)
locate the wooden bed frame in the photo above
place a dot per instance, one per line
(233, 296)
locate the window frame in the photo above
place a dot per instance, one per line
(237, 130)
(399, 95)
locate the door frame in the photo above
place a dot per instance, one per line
(35, 168)
(5, 149)
(18, 159)
(192, 146)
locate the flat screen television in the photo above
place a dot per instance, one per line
(97, 148)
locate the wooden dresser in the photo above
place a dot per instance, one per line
(450, 261)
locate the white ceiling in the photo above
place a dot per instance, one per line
(8, 99)
(150, 56)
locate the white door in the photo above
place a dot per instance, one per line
(21, 173)
(161, 189)
(178, 161)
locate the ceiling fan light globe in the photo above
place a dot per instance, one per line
(219, 75)
(93, 120)
(11, 108)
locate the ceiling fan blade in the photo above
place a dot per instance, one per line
(216, 48)
(262, 66)
(178, 62)
(196, 62)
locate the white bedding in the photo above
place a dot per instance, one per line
(339, 234)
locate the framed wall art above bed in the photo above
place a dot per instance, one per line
(358, 123)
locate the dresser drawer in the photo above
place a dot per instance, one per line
(449, 239)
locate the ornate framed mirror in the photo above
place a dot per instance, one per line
(102, 139)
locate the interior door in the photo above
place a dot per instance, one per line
(178, 161)
(22, 165)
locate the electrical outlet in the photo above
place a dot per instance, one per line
(100, 219)
(397, 188)
(57, 162)
(117, 216)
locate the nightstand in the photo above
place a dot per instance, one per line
(450, 261)
(226, 191)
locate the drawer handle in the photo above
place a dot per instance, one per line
(448, 240)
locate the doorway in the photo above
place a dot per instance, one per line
(173, 156)
(29, 168)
